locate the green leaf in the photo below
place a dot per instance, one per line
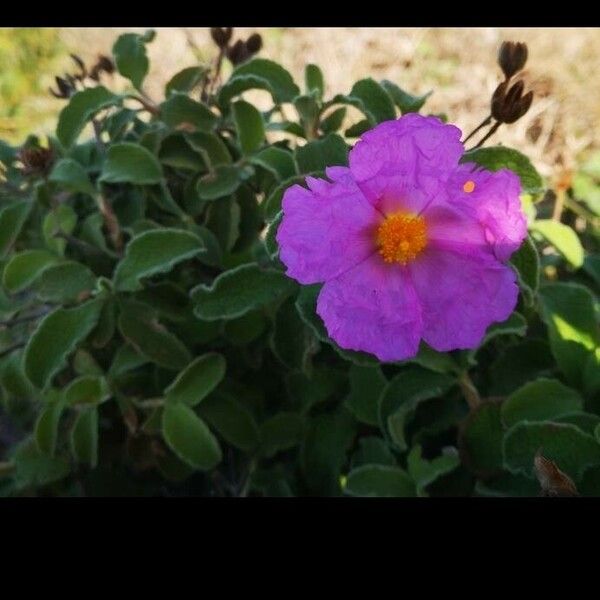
(154, 251)
(566, 445)
(232, 420)
(403, 394)
(406, 102)
(333, 121)
(12, 219)
(223, 181)
(210, 146)
(375, 99)
(189, 438)
(270, 238)
(526, 262)
(236, 292)
(34, 469)
(131, 163)
(260, 73)
(23, 269)
(185, 80)
(373, 451)
(223, 221)
(541, 400)
(60, 220)
(72, 176)
(80, 109)
(281, 432)
(425, 472)
(151, 339)
(480, 440)
(380, 481)
(130, 56)
(197, 380)
(319, 154)
(366, 386)
(277, 161)
(563, 238)
(313, 81)
(292, 342)
(323, 451)
(568, 310)
(591, 265)
(500, 157)
(244, 329)
(586, 189)
(46, 427)
(84, 437)
(126, 359)
(180, 108)
(56, 337)
(249, 125)
(87, 390)
(65, 282)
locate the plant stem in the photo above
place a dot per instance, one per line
(558, 205)
(489, 134)
(469, 390)
(483, 123)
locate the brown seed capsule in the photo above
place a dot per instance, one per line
(509, 106)
(553, 481)
(105, 64)
(65, 88)
(238, 53)
(36, 160)
(254, 43)
(82, 68)
(512, 57)
(221, 35)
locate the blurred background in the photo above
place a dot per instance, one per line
(458, 64)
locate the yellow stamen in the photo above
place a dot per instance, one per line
(401, 237)
(469, 186)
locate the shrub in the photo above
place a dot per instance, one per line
(152, 343)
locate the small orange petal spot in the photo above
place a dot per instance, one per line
(469, 186)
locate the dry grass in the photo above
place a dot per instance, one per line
(458, 64)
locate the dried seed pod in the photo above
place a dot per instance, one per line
(509, 106)
(254, 43)
(221, 35)
(553, 481)
(82, 68)
(238, 53)
(65, 88)
(512, 57)
(36, 160)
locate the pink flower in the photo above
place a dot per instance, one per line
(410, 245)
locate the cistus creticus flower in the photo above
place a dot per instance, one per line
(410, 244)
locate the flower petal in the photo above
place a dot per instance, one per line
(405, 152)
(373, 308)
(461, 296)
(325, 230)
(495, 200)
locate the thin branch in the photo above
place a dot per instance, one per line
(485, 122)
(27, 319)
(489, 134)
(469, 391)
(12, 349)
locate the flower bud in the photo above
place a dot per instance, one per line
(221, 35)
(36, 160)
(512, 57)
(254, 43)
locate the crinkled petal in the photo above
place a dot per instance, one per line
(373, 308)
(461, 296)
(495, 202)
(325, 230)
(413, 149)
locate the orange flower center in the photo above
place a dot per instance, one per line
(401, 237)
